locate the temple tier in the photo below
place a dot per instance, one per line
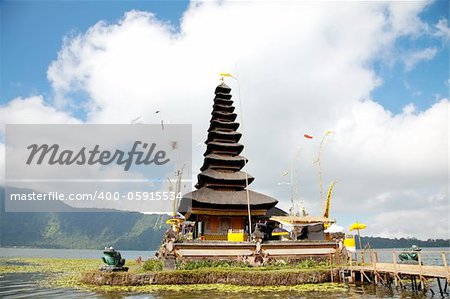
(220, 203)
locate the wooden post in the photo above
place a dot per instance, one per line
(420, 271)
(427, 286)
(374, 260)
(440, 287)
(374, 265)
(331, 268)
(381, 279)
(444, 262)
(365, 275)
(394, 260)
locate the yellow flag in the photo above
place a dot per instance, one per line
(328, 132)
(226, 75)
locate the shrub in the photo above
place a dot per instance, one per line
(192, 265)
(153, 265)
(310, 263)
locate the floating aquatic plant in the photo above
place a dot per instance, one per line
(67, 273)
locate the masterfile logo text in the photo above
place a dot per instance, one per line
(105, 167)
(52, 155)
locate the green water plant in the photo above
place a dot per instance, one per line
(217, 289)
(67, 273)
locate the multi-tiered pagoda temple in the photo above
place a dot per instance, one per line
(220, 202)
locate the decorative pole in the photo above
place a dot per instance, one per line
(319, 163)
(245, 155)
(360, 248)
(245, 152)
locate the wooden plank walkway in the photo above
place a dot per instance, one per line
(407, 269)
(396, 268)
(386, 273)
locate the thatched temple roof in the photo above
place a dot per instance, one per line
(221, 182)
(235, 198)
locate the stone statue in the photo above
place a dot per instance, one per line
(113, 260)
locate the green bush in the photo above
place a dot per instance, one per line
(310, 263)
(192, 265)
(279, 264)
(153, 265)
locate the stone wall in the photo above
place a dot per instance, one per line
(248, 278)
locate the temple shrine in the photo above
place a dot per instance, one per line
(223, 219)
(221, 204)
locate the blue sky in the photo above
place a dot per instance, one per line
(400, 86)
(32, 34)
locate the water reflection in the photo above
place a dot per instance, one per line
(27, 285)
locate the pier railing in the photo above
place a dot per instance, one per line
(427, 257)
(429, 264)
(430, 267)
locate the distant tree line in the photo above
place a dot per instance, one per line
(379, 242)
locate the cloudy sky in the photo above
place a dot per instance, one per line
(375, 73)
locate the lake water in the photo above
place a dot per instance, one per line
(70, 253)
(26, 285)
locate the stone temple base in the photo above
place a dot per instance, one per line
(216, 250)
(113, 269)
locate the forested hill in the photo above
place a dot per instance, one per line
(88, 230)
(378, 242)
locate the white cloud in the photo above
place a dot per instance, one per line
(304, 67)
(442, 30)
(400, 223)
(32, 110)
(413, 58)
(2, 164)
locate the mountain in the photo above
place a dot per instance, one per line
(89, 230)
(123, 230)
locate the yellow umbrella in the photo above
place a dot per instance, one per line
(174, 220)
(358, 226)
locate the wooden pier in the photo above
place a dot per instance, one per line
(399, 273)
